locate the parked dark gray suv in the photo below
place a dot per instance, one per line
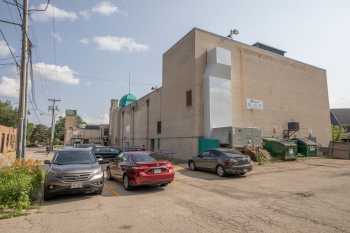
(221, 161)
(73, 170)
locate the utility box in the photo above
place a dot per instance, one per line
(205, 144)
(246, 136)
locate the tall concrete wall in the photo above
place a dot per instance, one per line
(290, 90)
(180, 122)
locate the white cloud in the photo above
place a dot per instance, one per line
(9, 87)
(85, 13)
(4, 50)
(57, 73)
(52, 11)
(57, 37)
(101, 119)
(84, 40)
(105, 8)
(113, 43)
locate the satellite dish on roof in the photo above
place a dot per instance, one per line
(233, 32)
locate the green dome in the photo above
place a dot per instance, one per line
(126, 100)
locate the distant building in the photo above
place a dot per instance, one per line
(213, 87)
(79, 134)
(7, 139)
(341, 117)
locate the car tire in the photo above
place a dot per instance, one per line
(220, 171)
(126, 183)
(192, 166)
(99, 192)
(108, 174)
(163, 185)
(47, 196)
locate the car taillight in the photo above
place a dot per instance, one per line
(170, 167)
(136, 170)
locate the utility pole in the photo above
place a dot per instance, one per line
(53, 108)
(22, 106)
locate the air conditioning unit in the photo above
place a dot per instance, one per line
(245, 136)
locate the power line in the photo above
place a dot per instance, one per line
(9, 22)
(18, 10)
(8, 46)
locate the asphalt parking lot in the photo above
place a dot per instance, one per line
(310, 195)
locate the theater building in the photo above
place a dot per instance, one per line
(214, 87)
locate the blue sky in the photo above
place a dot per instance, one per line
(98, 43)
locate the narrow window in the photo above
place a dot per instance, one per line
(189, 98)
(158, 144)
(159, 127)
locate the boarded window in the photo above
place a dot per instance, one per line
(159, 127)
(189, 98)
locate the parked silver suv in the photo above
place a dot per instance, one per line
(73, 170)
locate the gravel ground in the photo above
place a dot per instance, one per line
(309, 195)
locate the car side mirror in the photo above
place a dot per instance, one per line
(47, 162)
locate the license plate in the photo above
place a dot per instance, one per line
(76, 185)
(157, 171)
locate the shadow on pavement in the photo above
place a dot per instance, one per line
(68, 198)
(115, 188)
(206, 175)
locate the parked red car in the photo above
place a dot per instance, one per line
(136, 168)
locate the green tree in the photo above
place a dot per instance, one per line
(30, 128)
(8, 114)
(337, 133)
(40, 135)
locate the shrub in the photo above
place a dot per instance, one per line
(19, 183)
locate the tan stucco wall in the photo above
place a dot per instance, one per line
(7, 139)
(290, 90)
(180, 122)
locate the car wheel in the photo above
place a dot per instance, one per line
(47, 196)
(108, 174)
(220, 171)
(192, 166)
(163, 185)
(99, 191)
(126, 183)
(242, 174)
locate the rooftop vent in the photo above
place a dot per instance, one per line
(269, 48)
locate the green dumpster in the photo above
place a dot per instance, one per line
(306, 147)
(286, 150)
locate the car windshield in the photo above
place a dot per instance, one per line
(142, 158)
(74, 157)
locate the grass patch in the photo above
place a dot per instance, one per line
(19, 187)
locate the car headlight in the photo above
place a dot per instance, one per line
(52, 173)
(98, 174)
(233, 161)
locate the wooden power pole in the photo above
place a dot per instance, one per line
(53, 108)
(22, 106)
